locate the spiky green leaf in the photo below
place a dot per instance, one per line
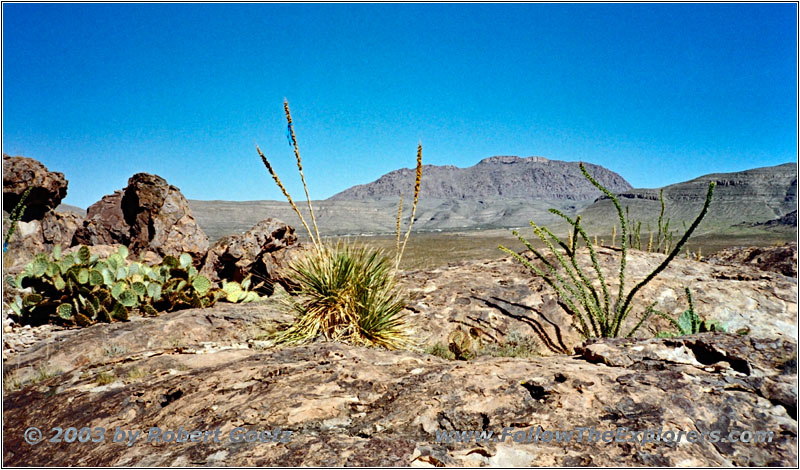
(82, 320)
(139, 289)
(95, 277)
(154, 290)
(59, 283)
(31, 299)
(118, 289)
(119, 312)
(103, 315)
(39, 267)
(685, 323)
(170, 261)
(52, 269)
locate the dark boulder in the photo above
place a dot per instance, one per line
(147, 215)
(262, 251)
(48, 188)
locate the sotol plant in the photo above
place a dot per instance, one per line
(595, 312)
(345, 293)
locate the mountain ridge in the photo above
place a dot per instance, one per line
(497, 176)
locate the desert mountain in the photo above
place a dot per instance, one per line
(741, 199)
(502, 192)
(493, 177)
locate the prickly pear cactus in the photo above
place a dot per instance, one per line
(240, 292)
(80, 289)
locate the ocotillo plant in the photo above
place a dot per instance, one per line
(594, 312)
(15, 216)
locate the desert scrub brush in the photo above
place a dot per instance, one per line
(595, 314)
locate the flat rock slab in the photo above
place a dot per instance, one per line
(496, 297)
(351, 406)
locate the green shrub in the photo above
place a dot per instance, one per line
(688, 323)
(346, 293)
(515, 345)
(595, 313)
(465, 345)
(81, 289)
(439, 350)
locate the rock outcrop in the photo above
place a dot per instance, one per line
(40, 228)
(55, 228)
(778, 259)
(508, 298)
(216, 369)
(352, 406)
(262, 251)
(147, 215)
(48, 188)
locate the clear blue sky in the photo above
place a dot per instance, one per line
(660, 93)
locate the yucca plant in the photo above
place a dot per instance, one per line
(345, 293)
(592, 308)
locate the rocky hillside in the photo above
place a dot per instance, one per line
(743, 198)
(504, 192)
(494, 177)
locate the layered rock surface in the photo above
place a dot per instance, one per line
(779, 259)
(349, 406)
(509, 298)
(741, 198)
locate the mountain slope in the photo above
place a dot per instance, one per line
(493, 177)
(740, 198)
